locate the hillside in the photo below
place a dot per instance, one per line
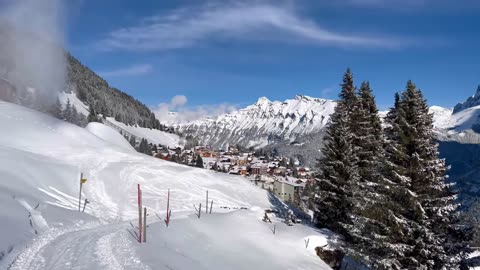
(42, 160)
(91, 89)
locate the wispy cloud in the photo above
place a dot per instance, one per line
(177, 111)
(413, 5)
(134, 70)
(255, 21)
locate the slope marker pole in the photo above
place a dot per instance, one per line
(145, 224)
(206, 205)
(80, 193)
(139, 213)
(167, 221)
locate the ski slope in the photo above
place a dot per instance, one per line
(40, 163)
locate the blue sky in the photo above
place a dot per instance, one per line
(218, 55)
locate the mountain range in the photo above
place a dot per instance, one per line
(295, 128)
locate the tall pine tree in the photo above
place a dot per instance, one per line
(333, 196)
(428, 212)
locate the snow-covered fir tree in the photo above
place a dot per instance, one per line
(92, 115)
(425, 240)
(333, 197)
(56, 109)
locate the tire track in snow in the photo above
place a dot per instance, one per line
(110, 245)
(92, 247)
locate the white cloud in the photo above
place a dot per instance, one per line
(179, 101)
(189, 26)
(134, 70)
(176, 110)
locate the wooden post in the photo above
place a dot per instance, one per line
(274, 229)
(199, 210)
(211, 205)
(167, 221)
(85, 204)
(307, 241)
(139, 214)
(80, 193)
(206, 205)
(144, 224)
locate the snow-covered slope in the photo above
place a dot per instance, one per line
(466, 119)
(40, 163)
(81, 107)
(263, 123)
(152, 135)
(109, 134)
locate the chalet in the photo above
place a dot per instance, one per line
(258, 169)
(165, 155)
(280, 171)
(288, 188)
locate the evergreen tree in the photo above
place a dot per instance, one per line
(82, 120)
(92, 116)
(428, 239)
(67, 112)
(75, 118)
(57, 109)
(132, 141)
(199, 162)
(339, 173)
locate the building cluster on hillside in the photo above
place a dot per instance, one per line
(285, 177)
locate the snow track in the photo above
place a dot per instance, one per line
(100, 247)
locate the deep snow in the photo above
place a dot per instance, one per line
(40, 163)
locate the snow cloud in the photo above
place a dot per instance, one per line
(31, 44)
(253, 20)
(177, 111)
(135, 70)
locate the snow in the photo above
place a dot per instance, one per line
(40, 163)
(474, 254)
(154, 136)
(77, 103)
(109, 134)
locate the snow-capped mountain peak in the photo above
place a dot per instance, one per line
(263, 122)
(262, 101)
(470, 102)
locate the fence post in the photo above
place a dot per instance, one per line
(206, 205)
(199, 210)
(145, 224)
(85, 204)
(211, 205)
(168, 208)
(80, 193)
(139, 214)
